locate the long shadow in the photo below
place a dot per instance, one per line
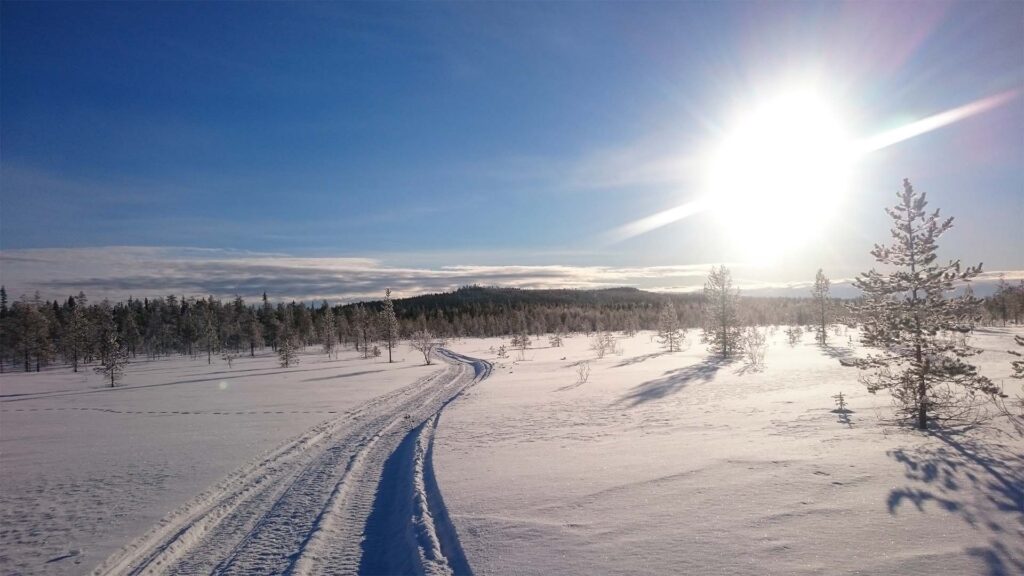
(952, 476)
(673, 381)
(338, 376)
(844, 416)
(639, 359)
(837, 352)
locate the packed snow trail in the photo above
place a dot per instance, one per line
(336, 500)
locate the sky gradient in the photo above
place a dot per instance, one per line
(458, 143)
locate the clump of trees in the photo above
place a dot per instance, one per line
(1007, 304)
(603, 343)
(908, 318)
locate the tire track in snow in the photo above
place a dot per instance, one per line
(304, 507)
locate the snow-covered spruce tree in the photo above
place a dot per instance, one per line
(114, 362)
(287, 349)
(328, 336)
(389, 322)
(907, 317)
(721, 327)
(669, 333)
(821, 303)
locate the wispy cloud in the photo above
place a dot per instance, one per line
(117, 272)
(121, 271)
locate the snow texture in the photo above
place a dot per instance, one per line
(682, 464)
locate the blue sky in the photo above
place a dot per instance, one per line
(432, 135)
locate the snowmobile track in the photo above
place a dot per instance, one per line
(355, 494)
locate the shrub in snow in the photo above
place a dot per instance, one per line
(794, 334)
(228, 357)
(425, 342)
(582, 372)
(754, 344)
(602, 343)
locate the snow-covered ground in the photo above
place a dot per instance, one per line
(677, 464)
(659, 464)
(85, 469)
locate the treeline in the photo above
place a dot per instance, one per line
(1006, 304)
(35, 333)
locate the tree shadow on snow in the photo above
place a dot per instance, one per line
(673, 381)
(982, 483)
(837, 352)
(639, 359)
(844, 416)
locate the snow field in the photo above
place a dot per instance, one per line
(680, 464)
(84, 470)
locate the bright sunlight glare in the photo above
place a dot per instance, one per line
(778, 177)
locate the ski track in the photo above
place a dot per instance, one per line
(305, 507)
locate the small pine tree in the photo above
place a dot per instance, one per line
(389, 322)
(287, 350)
(555, 340)
(328, 336)
(908, 318)
(113, 364)
(669, 333)
(721, 300)
(821, 302)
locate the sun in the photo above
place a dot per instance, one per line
(779, 175)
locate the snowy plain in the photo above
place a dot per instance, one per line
(84, 468)
(657, 464)
(679, 464)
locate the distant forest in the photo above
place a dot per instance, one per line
(35, 333)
